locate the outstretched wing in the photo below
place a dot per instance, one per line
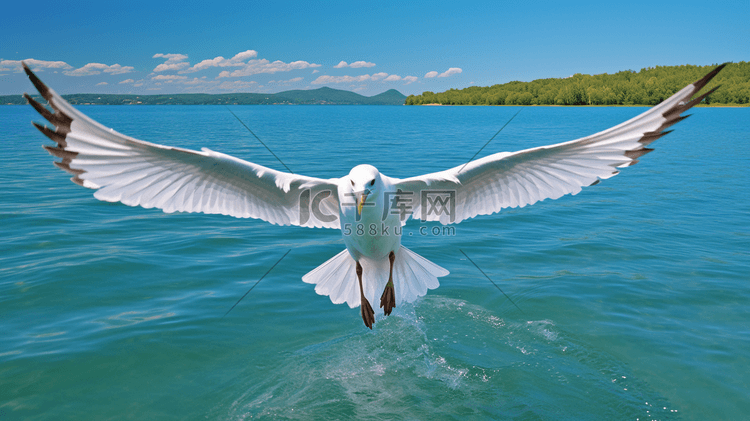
(507, 180)
(138, 173)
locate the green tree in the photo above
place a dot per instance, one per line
(649, 86)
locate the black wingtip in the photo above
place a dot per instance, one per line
(58, 118)
(78, 181)
(39, 107)
(56, 137)
(700, 98)
(699, 84)
(60, 152)
(673, 118)
(637, 153)
(651, 137)
(38, 84)
(66, 167)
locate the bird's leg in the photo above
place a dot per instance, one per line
(388, 299)
(368, 315)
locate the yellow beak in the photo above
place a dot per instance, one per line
(361, 203)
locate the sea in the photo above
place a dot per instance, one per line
(627, 301)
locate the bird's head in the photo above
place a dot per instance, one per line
(365, 182)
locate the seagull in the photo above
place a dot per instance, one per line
(368, 207)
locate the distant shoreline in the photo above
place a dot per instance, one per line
(420, 105)
(320, 96)
(582, 106)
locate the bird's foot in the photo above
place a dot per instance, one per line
(368, 315)
(388, 299)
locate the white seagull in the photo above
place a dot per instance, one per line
(368, 207)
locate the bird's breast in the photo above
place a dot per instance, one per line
(373, 233)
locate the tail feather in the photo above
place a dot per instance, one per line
(413, 275)
(329, 278)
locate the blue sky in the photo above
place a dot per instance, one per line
(270, 46)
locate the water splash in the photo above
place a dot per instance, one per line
(445, 354)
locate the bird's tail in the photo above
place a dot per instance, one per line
(413, 275)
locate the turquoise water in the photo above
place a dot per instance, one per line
(634, 294)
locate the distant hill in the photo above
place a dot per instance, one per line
(335, 96)
(390, 96)
(323, 95)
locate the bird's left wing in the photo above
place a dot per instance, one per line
(507, 180)
(138, 173)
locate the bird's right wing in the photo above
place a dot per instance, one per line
(507, 180)
(138, 173)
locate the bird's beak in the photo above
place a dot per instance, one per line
(361, 202)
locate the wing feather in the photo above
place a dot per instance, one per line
(508, 180)
(137, 173)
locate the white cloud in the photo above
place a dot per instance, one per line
(205, 64)
(316, 71)
(102, 83)
(174, 62)
(359, 64)
(355, 65)
(96, 68)
(246, 63)
(236, 85)
(396, 78)
(171, 57)
(236, 61)
(127, 81)
(296, 79)
(169, 78)
(116, 69)
(384, 77)
(450, 72)
(173, 66)
(34, 64)
(245, 55)
(254, 67)
(87, 70)
(321, 80)
(197, 81)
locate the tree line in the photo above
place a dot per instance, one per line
(649, 86)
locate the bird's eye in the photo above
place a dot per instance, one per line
(372, 183)
(352, 182)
